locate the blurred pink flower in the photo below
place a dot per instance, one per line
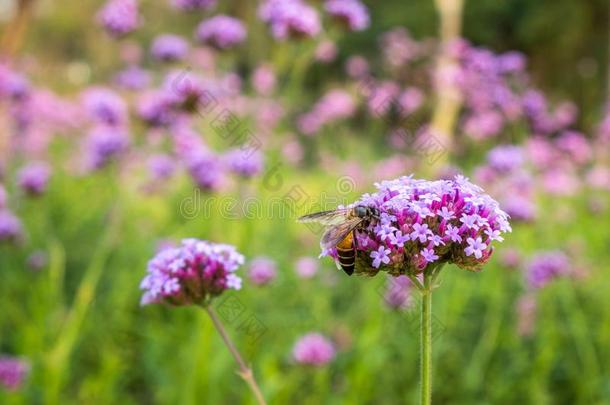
(526, 314)
(356, 66)
(13, 372)
(264, 80)
(313, 349)
(306, 267)
(262, 271)
(326, 51)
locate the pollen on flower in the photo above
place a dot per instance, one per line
(192, 273)
(427, 223)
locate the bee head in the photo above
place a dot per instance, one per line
(362, 211)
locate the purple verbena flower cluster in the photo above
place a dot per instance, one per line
(221, 31)
(169, 48)
(13, 372)
(119, 17)
(191, 5)
(243, 163)
(34, 177)
(398, 293)
(104, 106)
(192, 273)
(313, 349)
(103, 144)
(427, 223)
(333, 106)
(262, 271)
(290, 18)
(546, 266)
(306, 267)
(10, 227)
(352, 13)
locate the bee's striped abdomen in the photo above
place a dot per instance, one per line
(347, 254)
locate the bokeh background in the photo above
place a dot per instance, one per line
(110, 152)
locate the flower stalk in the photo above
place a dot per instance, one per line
(244, 372)
(425, 288)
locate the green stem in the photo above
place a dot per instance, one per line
(426, 341)
(245, 372)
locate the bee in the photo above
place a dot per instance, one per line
(341, 224)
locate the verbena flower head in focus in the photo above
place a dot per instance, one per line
(427, 223)
(192, 273)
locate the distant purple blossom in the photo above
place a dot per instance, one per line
(262, 271)
(326, 51)
(206, 170)
(526, 314)
(399, 47)
(169, 48)
(397, 294)
(446, 221)
(105, 106)
(3, 197)
(37, 260)
(356, 66)
(290, 18)
(221, 32)
(104, 144)
(186, 92)
(10, 227)
(161, 166)
(335, 105)
(520, 208)
(484, 124)
(264, 80)
(546, 266)
(192, 273)
(192, 5)
(410, 100)
(511, 62)
(119, 17)
(511, 258)
(243, 162)
(132, 78)
(505, 158)
(313, 349)
(14, 84)
(306, 267)
(34, 177)
(13, 372)
(575, 145)
(352, 13)
(155, 108)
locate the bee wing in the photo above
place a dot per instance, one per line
(336, 233)
(328, 218)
